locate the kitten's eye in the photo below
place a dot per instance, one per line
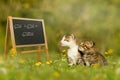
(66, 40)
(81, 43)
(85, 47)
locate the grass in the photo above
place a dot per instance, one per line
(23, 67)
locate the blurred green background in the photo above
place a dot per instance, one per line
(96, 20)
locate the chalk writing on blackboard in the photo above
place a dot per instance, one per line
(28, 32)
(24, 34)
(27, 26)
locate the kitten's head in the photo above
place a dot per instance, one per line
(68, 40)
(86, 45)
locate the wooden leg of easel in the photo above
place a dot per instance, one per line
(38, 56)
(47, 55)
(6, 52)
(7, 40)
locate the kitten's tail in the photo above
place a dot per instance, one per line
(104, 61)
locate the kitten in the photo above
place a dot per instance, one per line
(73, 55)
(90, 55)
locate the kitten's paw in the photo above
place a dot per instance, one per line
(87, 64)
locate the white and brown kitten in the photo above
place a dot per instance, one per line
(90, 55)
(73, 55)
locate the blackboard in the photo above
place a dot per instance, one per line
(28, 31)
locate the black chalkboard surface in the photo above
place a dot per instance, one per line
(28, 32)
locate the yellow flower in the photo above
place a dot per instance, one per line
(95, 65)
(64, 55)
(1, 59)
(48, 62)
(63, 51)
(56, 74)
(12, 52)
(38, 64)
(108, 52)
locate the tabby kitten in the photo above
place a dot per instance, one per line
(90, 55)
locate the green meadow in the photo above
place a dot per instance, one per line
(25, 67)
(96, 20)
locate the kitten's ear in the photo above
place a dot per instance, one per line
(92, 43)
(63, 37)
(89, 44)
(72, 36)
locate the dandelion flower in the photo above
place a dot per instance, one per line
(12, 52)
(64, 51)
(1, 60)
(109, 51)
(38, 64)
(64, 55)
(48, 62)
(106, 52)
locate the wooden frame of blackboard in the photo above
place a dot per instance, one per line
(9, 29)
